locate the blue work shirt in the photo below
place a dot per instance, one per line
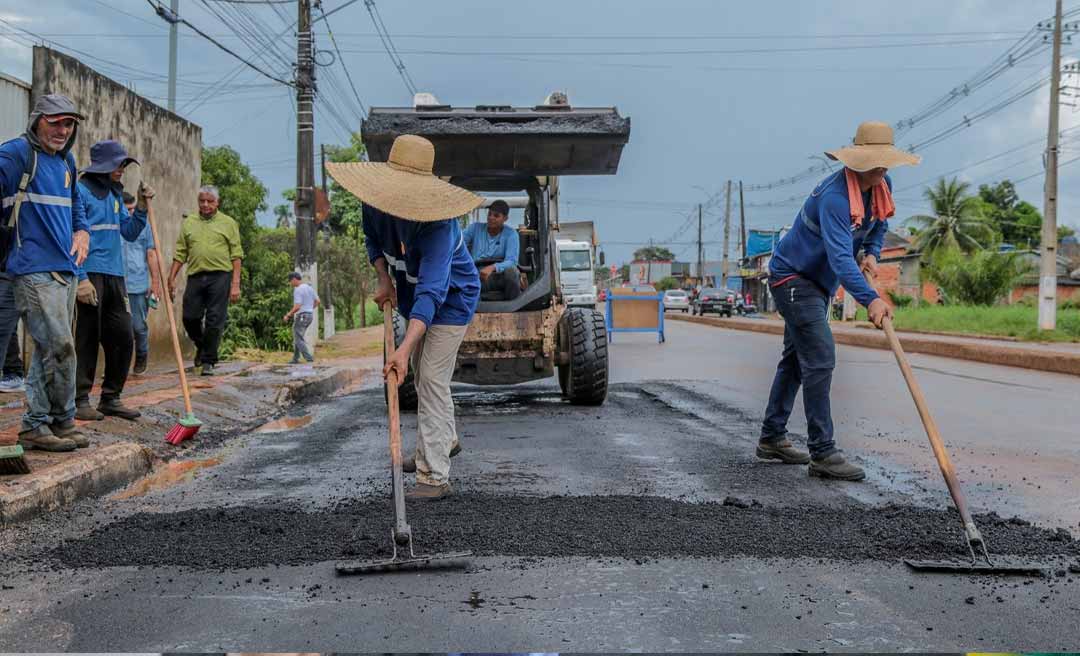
(52, 210)
(109, 221)
(827, 256)
(435, 277)
(503, 246)
(136, 271)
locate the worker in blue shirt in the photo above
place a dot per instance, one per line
(45, 238)
(494, 247)
(845, 214)
(416, 246)
(104, 310)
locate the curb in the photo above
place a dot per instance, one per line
(117, 465)
(108, 468)
(1059, 362)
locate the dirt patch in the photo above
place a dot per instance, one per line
(629, 527)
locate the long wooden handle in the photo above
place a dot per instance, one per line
(402, 532)
(937, 445)
(169, 312)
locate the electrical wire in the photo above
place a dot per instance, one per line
(341, 60)
(388, 46)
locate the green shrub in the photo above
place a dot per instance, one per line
(667, 283)
(900, 300)
(980, 278)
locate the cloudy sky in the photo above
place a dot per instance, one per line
(717, 90)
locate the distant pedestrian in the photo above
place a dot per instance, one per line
(45, 240)
(414, 241)
(305, 300)
(209, 244)
(142, 276)
(847, 212)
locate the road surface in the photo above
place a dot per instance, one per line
(642, 525)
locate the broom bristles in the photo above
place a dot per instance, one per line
(179, 433)
(12, 461)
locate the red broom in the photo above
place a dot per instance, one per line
(188, 425)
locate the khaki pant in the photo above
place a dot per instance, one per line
(433, 366)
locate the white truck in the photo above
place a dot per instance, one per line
(576, 276)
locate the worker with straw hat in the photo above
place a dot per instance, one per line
(415, 243)
(847, 212)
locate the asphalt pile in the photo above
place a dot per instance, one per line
(630, 527)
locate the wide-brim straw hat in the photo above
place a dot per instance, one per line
(405, 186)
(873, 148)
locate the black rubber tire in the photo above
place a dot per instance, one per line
(407, 400)
(584, 379)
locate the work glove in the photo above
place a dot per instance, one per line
(146, 192)
(86, 293)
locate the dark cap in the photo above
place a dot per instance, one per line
(500, 207)
(107, 156)
(56, 107)
(295, 276)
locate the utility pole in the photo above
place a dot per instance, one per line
(306, 264)
(727, 234)
(700, 249)
(174, 7)
(742, 226)
(328, 302)
(648, 274)
(1048, 262)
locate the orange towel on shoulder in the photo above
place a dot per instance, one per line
(882, 206)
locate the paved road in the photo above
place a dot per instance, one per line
(594, 528)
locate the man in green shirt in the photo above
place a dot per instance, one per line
(209, 244)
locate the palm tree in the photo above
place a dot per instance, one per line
(957, 223)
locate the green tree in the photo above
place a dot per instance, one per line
(957, 221)
(284, 216)
(667, 283)
(345, 277)
(1016, 222)
(346, 210)
(980, 278)
(653, 253)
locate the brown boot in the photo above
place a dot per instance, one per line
(425, 492)
(784, 451)
(408, 465)
(69, 431)
(114, 408)
(42, 438)
(87, 413)
(835, 466)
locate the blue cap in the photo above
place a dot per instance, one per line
(107, 156)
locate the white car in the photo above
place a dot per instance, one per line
(676, 299)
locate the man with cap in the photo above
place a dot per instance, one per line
(305, 300)
(104, 312)
(209, 245)
(415, 243)
(845, 214)
(45, 239)
(495, 249)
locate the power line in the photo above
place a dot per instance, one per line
(341, 60)
(388, 46)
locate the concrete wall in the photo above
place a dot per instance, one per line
(168, 147)
(14, 107)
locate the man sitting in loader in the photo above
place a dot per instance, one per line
(494, 248)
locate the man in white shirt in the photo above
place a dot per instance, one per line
(305, 300)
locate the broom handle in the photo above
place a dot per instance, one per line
(401, 525)
(169, 311)
(937, 445)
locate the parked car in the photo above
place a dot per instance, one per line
(713, 299)
(676, 299)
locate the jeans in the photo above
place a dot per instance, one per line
(139, 328)
(505, 284)
(808, 359)
(47, 305)
(108, 325)
(206, 308)
(299, 327)
(9, 323)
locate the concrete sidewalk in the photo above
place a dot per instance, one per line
(241, 396)
(1052, 357)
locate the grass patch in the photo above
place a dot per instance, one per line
(1016, 321)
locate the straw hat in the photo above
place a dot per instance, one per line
(405, 186)
(872, 148)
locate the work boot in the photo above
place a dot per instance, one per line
(86, 413)
(425, 492)
(140, 365)
(784, 451)
(69, 431)
(42, 438)
(114, 408)
(408, 465)
(208, 369)
(835, 466)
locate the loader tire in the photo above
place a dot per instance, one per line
(584, 379)
(407, 400)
